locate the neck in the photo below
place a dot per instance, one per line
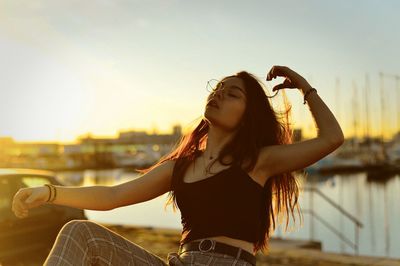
(216, 140)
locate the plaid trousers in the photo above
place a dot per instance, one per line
(84, 242)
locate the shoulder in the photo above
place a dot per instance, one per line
(164, 170)
(165, 166)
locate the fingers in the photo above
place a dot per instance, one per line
(278, 87)
(19, 208)
(22, 214)
(277, 71)
(287, 83)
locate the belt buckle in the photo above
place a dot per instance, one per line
(212, 245)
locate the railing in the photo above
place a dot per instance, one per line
(357, 223)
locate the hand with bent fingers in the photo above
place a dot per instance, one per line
(28, 198)
(292, 79)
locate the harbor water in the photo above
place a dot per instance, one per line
(375, 204)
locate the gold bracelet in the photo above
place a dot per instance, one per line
(48, 199)
(53, 192)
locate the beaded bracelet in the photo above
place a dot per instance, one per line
(307, 93)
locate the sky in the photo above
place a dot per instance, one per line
(72, 68)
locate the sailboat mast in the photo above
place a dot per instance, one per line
(337, 94)
(355, 111)
(398, 103)
(385, 156)
(367, 132)
(382, 107)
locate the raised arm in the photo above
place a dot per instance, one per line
(276, 159)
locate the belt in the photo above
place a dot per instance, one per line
(206, 245)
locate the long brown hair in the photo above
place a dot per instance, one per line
(262, 126)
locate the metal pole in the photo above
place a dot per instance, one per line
(341, 185)
(312, 213)
(386, 219)
(356, 238)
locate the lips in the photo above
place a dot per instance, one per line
(213, 103)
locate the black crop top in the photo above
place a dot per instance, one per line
(229, 203)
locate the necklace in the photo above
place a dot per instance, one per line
(207, 172)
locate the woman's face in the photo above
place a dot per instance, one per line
(231, 101)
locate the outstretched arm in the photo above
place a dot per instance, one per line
(276, 159)
(146, 187)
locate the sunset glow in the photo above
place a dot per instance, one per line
(69, 70)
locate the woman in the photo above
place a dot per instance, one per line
(229, 178)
